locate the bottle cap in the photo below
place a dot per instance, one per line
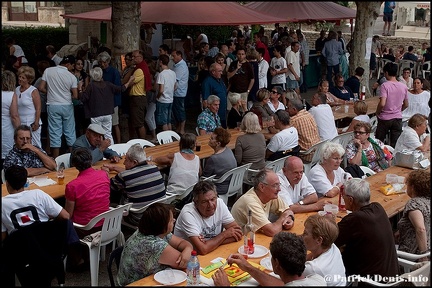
(194, 253)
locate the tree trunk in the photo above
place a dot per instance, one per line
(126, 23)
(367, 13)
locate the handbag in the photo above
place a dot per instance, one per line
(409, 159)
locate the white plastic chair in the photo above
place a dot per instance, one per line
(110, 233)
(344, 139)
(236, 183)
(64, 158)
(381, 63)
(405, 64)
(316, 150)
(374, 123)
(166, 136)
(144, 143)
(419, 272)
(275, 165)
(120, 148)
(426, 69)
(367, 170)
(410, 259)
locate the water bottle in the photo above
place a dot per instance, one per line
(304, 104)
(193, 270)
(363, 93)
(249, 236)
(341, 193)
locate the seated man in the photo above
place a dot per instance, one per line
(296, 191)
(284, 142)
(209, 119)
(263, 200)
(23, 153)
(368, 223)
(288, 253)
(207, 222)
(23, 207)
(94, 140)
(323, 116)
(138, 182)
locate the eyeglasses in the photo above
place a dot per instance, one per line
(274, 92)
(274, 186)
(360, 132)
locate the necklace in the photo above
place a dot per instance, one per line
(187, 151)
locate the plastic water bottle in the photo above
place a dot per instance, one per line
(193, 270)
(341, 203)
(249, 236)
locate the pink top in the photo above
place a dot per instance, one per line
(396, 93)
(91, 193)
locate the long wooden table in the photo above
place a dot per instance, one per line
(339, 111)
(57, 191)
(393, 204)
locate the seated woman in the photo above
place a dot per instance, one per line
(222, 160)
(360, 109)
(275, 104)
(327, 176)
(365, 151)
(418, 99)
(153, 247)
(235, 115)
(263, 111)
(414, 232)
(340, 90)
(324, 258)
(414, 136)
(332, 100)
(185, 165)
(250, 147)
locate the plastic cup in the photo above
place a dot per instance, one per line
(331, 208)
(60, 177)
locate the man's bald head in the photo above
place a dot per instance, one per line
(293, 169)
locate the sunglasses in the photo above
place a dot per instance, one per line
(360, 132)
(274, 92)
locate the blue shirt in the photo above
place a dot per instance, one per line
(208, 121)
(112, 75)
(344, 93)
(182, 76)
(388, 5)
(214, 86)
(331, 51)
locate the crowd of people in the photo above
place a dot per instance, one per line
(252, 83)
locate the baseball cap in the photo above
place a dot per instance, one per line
(96, 128)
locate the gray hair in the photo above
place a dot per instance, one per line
(96, 74)
(104, 57)
(283, 117)
(296, 103)
(261, 177)
(136, 153)
(359, 189)
(234, 98)
(250, 123)
(212, 98)
(329, 148)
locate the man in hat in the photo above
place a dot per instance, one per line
(95, 141)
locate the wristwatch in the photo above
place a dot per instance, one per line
(248, 91)
(301, 202)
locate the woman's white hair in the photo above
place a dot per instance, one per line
(329, 148)
(234, 98)
(96, 74)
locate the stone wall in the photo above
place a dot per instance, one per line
(5, 15)
(51, 15)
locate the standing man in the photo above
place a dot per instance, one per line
(293, 64)
(214, 85)
(111, 74)
(393, 100)
(61, 86)
(331, 51)
(319, 45)
(278, 68)
(241, 77)
(263, 67)
(182, 77)
(165, 96)
(388, 16)
(296, 190)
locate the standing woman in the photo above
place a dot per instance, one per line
(81, 122)
(29, 103)
(10, 117)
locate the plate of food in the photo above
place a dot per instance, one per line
(259, 251)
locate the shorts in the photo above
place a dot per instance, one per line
(61, 120)
(163, 113)
(388, 17)
(372, 62)
(292, 84)
(115, 117)
(178, 109)
(137, 109)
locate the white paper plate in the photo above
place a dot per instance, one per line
(266, 263)
(259, 252)
(166, 278)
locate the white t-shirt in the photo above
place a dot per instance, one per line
(292, 195)
(318, 178)
(27, 207)
(325, 121)
(408, 83)
(409, 140)
(190, 222)
(329, 263)
(263, 67)
(284, 140)
(280, 106)
(278, 64)
(167, 77)
(311, 280)
(294, 59)
(59, 84)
